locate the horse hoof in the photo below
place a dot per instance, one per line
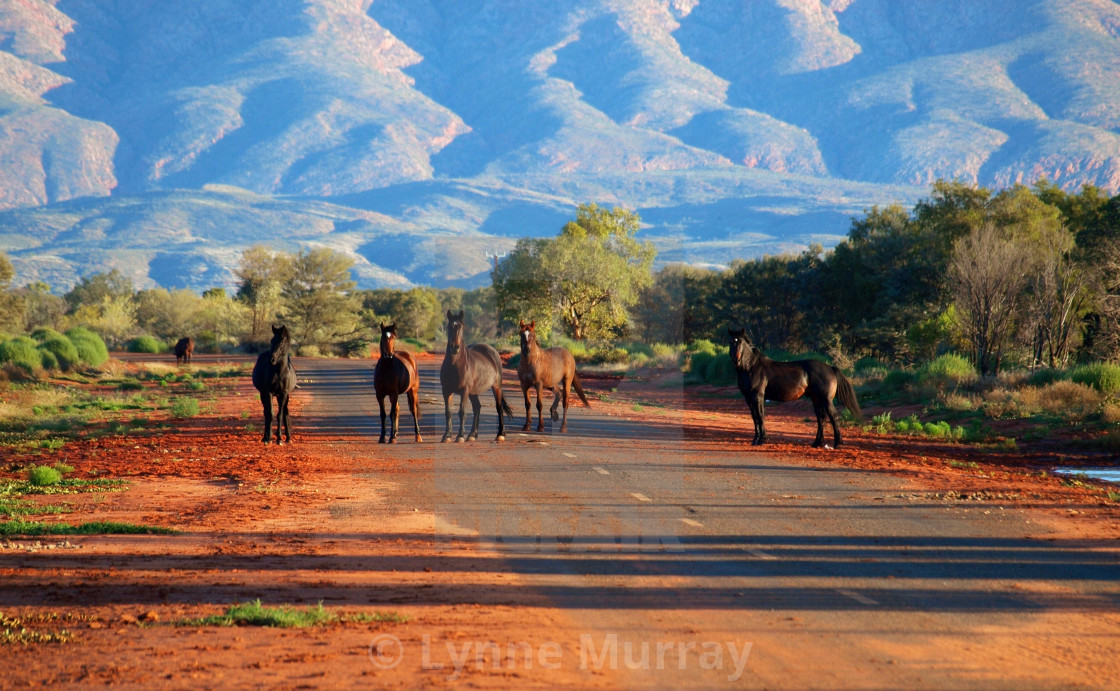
(460, 440)
(525, 428)
(445, 440)
(563, 428)
(555, 416)
(419, 439)
(500, 437)
(381, 440)
(392, 440)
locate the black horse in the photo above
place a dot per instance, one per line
(469, 371)
(762, 379)
(273, 375)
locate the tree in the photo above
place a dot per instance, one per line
(260, 279)
(11, 305)
(92, 290)
(587, 278)
(41, 306)
(987, 281)
(318, 303)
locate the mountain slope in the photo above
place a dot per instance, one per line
(732, 127)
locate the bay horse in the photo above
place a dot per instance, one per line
(183, 351)
(553, 369)
(394, 374)
(469, 371)
(273, 375)
(762, 379)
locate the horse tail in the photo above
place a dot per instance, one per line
(579, 390)
(847, 395)
(505, 406)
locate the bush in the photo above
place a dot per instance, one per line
(609, 356)
(43, 476)
(146, 344)
(1046, 376)
(702, 346)
(1102, 376)
(184, 407)
(896, 381)
(1069, 400)
(44, 333)
(21, 352)
(949, 369)
(866, 364)
(91, 349)
(47, 360)
(63, 350)
(720, 371)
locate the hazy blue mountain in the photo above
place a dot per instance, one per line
(424, 136)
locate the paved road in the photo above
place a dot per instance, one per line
(707, 565)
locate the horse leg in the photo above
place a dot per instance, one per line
(287, 419)
(755, 403)
(555, 402)
(381, 405)
(447, 414)
(831, 410)
(528, 407)
(462, 415)
(266, 401)
(540, 409)
(476, 407)
(501, 424)
(414, 408)
(564, 388)
(818, 409)
(394, 417)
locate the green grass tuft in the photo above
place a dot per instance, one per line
(18, 527)
(256, 614)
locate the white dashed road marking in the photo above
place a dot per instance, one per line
(862, 599)
(762, 555)
(694, 524)
(601, 471)
(639, 496)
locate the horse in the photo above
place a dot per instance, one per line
(394, 374)
(183, 351)
(273, 375)
(468, 371)
(761, 379)
(553, 369)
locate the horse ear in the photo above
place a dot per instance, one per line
(462, 314)
(533, 325)
(381, 325)
(275, 329)
(449, 315)
(520, 324)
(393, 327)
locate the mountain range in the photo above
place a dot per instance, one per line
(423, 137)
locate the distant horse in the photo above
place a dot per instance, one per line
(183, 351)
(395, 374)
(762, 379)
(553, 369)
(468, 371)
(273, 375)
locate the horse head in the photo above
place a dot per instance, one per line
(388, 339)
(454, 332)
(281, 344)
(528, 335)
(740, 347)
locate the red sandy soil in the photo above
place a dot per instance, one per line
(248, 513)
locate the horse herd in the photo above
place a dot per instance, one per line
(468, 371)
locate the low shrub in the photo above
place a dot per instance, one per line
(43, 476)
(47, 360)
(947, 370)
(1069, 400)
(1102, 376)
(146, 344)
(91, 349)
(63, 350)
(44, 333)
(21, 352)
(896, 381)
(1046, 376)
(184, 408)
(609, 356)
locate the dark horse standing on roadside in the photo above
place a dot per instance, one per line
(183, 351)
(395, 374)
(762, 379)
(553, 369)
(469, 371)
(273, 375)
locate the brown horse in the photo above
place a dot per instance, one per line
(553, 369)
(395, 374)
(183, 351)
(274, 376)
(762, 379)
(468, 371)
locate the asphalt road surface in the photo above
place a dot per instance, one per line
(690, 563)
